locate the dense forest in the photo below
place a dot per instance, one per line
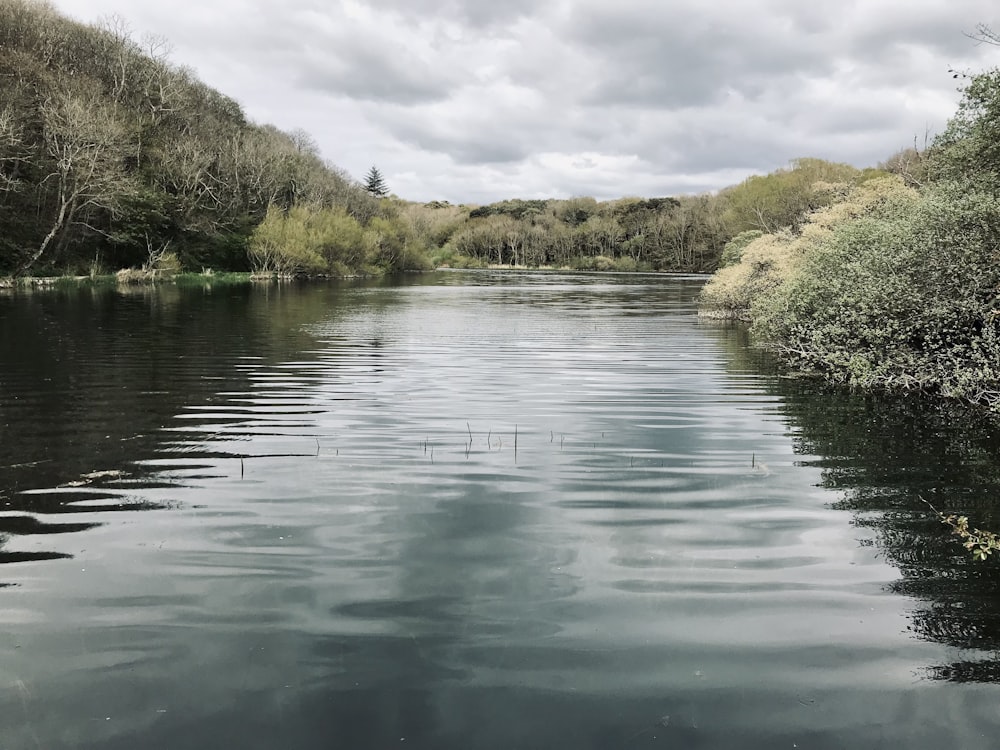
(895, 285)
(683, 233)
(112, 157)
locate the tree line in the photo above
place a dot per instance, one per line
(677, 233)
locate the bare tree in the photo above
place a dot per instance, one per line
(909, 163)
(12, 151)
(984, 34)
(87, 145)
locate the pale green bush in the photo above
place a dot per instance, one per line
(770, 260)
(284, 244)
(764, 264)
(327, 241)
(902, 298)
(390, 245)
(733, 250)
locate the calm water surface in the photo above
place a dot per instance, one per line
(472, 510)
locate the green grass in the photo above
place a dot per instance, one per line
(211, 277)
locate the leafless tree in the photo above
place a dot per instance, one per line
(12, 149)
(86, 145)
(984, 34)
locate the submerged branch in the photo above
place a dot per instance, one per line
(980, 543)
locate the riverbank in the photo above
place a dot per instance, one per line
(134, 278)
(895, 286)
(894, 289)
(128, 277)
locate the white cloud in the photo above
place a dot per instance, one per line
(472, 101)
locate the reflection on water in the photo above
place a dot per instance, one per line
(950, 459)
(470, 510)
(884, 457)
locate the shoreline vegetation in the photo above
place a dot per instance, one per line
(138, 277)
(894, 286)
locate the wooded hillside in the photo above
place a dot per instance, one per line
(111, 156)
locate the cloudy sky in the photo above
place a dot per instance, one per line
(479, 100)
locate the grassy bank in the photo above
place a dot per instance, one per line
(128, 277)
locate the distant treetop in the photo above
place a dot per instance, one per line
(375, 184)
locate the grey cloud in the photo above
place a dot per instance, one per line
(933, 26)
(671, 61)
(725, 147)
(359, 71)
(476, 100)
(479, 144)
(480, 15)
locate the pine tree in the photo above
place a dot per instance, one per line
(375, 184)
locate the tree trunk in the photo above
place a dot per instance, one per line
(58, 225)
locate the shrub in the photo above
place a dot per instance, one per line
(310, 240)
(768, 261)
(283, 244)
(733, 250)
(902, 298)
(764, 264)
(390, 246)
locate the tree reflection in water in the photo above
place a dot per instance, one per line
(882, 455)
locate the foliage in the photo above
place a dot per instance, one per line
(768, 261)
(310, 240)
(786, 197)
(679, 234)
(434, 223)
(765, 263)
(518, 209)
(391, 246)
(287, 244)
(969, 148)
(574, 211)
(733, 250)
(980, 543)
(904, 297)
(891, 289)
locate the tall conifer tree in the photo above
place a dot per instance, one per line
(375, 184)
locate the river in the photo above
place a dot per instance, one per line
(472, 510)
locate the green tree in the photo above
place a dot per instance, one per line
(969, 148)
(375, 183)
(785, 197)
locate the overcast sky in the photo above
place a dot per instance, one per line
(479, 100)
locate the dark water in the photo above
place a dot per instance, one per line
(472, 510)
